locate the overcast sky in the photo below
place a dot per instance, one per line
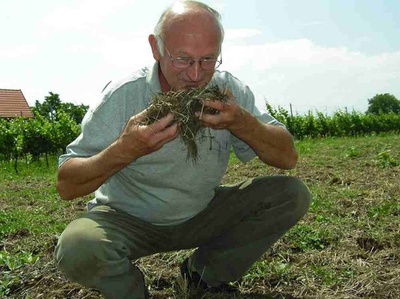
(314, 54)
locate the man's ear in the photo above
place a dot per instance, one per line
(154, 48)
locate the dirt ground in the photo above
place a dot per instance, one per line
(347, 246)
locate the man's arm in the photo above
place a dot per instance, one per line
(81, 176)
(272, 144)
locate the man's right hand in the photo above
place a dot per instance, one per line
(80, 176)
(138, 140)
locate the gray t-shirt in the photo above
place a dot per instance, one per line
(164, 187)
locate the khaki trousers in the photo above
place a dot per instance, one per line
(238, 226)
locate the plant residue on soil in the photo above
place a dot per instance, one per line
(184, 104)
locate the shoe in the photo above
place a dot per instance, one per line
(194, 281)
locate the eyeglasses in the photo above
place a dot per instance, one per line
(206, 64)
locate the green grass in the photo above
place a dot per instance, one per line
(347, 246)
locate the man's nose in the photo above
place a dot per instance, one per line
(195, 72)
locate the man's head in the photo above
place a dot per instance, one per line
(186, 30)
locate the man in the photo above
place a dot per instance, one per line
(148, 198)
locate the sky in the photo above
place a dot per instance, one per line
(312, 55)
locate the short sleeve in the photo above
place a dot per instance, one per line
(245, 98)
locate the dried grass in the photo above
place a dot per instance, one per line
(184, 104)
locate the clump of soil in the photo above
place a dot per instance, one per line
(184, 104)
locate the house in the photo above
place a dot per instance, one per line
(13, 104)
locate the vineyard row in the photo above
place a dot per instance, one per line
(39, 136)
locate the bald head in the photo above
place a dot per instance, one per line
(188, 31)
(189, 17)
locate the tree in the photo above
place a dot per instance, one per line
(48, 109)
(52, 107)
(76, 112)
(383, 103)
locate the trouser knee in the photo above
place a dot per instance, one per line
(76, 255)
(300, 195)
(286, 191)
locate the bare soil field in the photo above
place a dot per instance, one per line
(347, 246)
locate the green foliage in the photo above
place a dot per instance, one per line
(329, 276)
(48, 109)
(386, 159)
(279, 271)
(54, 126)
(52, 108)
(340, 124)
(388, 208)
(309, 238)
(76, 112)
(6, 140)
(11, 262)
(65, 130)
(352, 152)
(383, 103)
(10, 223)
(36, 136)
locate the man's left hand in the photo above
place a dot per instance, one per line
(230, 115)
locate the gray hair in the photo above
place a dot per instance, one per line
(159, 29)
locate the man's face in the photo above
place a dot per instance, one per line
(188, 39)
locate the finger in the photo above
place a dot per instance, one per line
(162, 123)
(140, 116)
(149, 127)
(166, 135)
(171, 132)
(216, 104)
(209, 119)
(228, 93)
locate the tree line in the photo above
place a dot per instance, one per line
(56, 124)
(53, 127)
(383, 115)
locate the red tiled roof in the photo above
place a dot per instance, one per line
(13, 104)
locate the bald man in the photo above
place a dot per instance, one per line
(148, 198)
